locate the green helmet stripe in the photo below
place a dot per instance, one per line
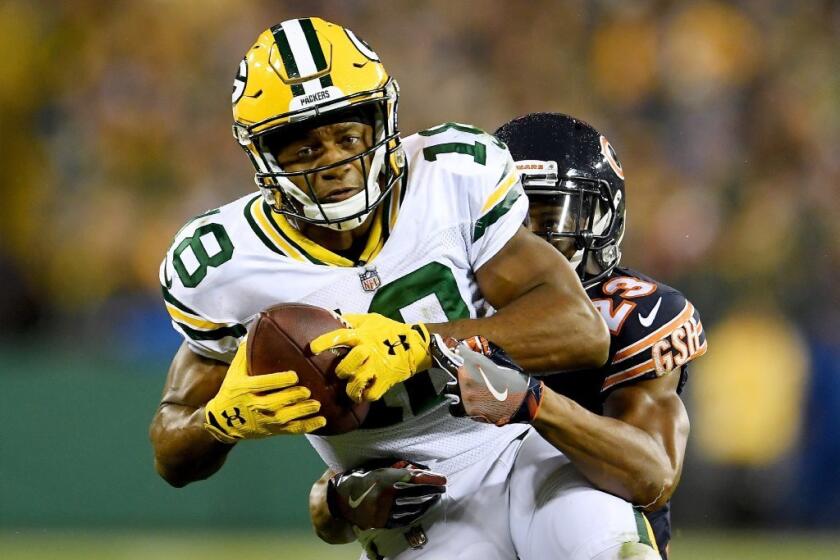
(316, 50)
(314, 45)
(287, 57)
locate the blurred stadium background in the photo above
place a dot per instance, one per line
(115, 124)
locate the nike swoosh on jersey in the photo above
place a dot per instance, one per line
(355, 503)
(648, 321)
(498, 395)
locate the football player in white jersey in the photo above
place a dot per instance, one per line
(622, 426)
(404, 237)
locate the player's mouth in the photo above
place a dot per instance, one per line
(341, 193)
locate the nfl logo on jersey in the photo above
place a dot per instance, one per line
(370, 280)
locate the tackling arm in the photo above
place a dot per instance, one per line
(545, 320)
(635, 450)
(328, 528)
(372, 497)
(536, 301)
(184, 450)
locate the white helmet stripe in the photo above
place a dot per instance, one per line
(300, 48)
(303, 55)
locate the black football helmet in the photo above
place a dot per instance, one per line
(575, 187)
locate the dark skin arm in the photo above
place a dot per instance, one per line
(184, 450)
(548, 289)
(635, 450)
(538, 296)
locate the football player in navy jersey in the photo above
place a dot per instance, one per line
(622, 426)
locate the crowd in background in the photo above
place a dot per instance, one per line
(115, 124)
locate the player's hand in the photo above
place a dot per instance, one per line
(383, 353)
(249, 407)
(487, 385)
(384, 498)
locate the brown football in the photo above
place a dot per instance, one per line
(279, 341)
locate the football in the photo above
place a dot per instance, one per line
(279, 341)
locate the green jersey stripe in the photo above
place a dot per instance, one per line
(451, 126)
(505, 172)
(289, 240)
(386, 215)
(235, 330)
(287, 57)
(254, 226)
(641, 528)
(493, 215)
(169, 298)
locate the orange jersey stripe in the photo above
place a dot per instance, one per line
(653, 337)
(643, 368)
(700, 351)
(629, 373)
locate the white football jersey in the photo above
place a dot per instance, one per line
(458, 204)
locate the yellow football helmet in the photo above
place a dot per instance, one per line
(301, 70)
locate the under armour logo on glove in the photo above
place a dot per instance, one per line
(393, 345)
(383, 352)
(237, 415)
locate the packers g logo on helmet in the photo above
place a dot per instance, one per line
(303, 69)
(239, 81)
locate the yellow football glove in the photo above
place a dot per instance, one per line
(383, 353)
(242, 410)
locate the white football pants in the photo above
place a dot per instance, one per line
(527, 502)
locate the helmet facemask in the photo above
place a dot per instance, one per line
(382, 164)
(576, 214)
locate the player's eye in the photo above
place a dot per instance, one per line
(352, 140)
(305, 152)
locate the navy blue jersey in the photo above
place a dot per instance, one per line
(654, 331)
(660, 522)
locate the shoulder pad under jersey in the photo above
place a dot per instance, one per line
(477, 172)
(654, 329)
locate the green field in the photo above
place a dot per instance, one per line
(78, 545)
